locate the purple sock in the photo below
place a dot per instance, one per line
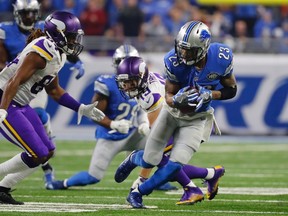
(182, 178)
(194, 172)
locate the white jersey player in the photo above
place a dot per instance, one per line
(34, 69)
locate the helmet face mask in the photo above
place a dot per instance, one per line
(122, 52)
(132, 76)
(26, 13)
(128, 85)
(65, 30)
(192, 42)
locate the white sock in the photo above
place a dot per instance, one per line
(13, 165)
(12, 179)
(137, 182)
(136, 190)
(210, 174)
(191, 184)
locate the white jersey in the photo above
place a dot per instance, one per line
(41, 78)
(154, 95)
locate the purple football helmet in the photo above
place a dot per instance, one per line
(132, 76)
(64, 29)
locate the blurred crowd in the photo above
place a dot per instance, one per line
(246, 28)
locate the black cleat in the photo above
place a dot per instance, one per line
(6, 198)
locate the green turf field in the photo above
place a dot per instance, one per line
(255, 183)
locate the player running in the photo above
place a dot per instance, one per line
(34, 69)
(194, 64)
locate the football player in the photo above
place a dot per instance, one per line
(13, 36)
(197, 63)
(124, 127)
(34, 69)
(148, 88)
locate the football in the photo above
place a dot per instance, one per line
(189, 109)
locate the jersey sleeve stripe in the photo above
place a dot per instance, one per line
(155, 105)
(43, 52)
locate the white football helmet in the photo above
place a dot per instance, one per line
(122, 52)
(192, 42)
(26, 13)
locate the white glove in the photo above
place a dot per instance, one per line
(3, 115)
(122, 126)
(90, 111)
(144, 129)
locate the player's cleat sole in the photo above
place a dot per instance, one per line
(125, 168)
(213, 184)
(191, 196)
(166, 187)
(6, 198)
(135, 200)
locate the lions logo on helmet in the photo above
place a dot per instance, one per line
(192, 42)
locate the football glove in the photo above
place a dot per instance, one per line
(3, 115)
(185, 97)
(90, 111)
(144, 129)
(122, 126)
(78, 68)
(205, 96)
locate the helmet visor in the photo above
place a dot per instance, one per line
(189, 54)
(74, 42)
(128, 85)
(28, 17)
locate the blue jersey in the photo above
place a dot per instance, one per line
(117, 108)
(219, 65)
(14, 40)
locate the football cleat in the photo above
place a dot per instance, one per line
(135, 200)
(191, 196)
(48, 177)
(6, 198)
(125, 168)
(213, 183)
(55, 185)
(166, 187)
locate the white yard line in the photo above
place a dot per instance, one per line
(82, 207)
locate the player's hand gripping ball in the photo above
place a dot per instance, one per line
(186, 99)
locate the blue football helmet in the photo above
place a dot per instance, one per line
(192, 42)
(26, 13)
(122, 52)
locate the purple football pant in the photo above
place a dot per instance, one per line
(23, 128)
